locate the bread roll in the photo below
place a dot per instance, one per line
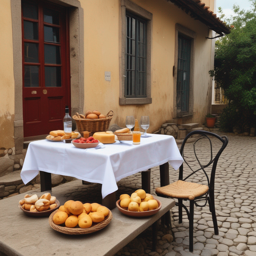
(21, 202)
(81, 215)
(144, 206)
(52, 199)
(62, 208)
(124, 196)
(141, 193)
(87, 113)
(67, 204)
(85, 222)
(50, 137)
(42, 205)
(66, 136)
(87, 207)
(74, 135)
(133, 206)
(46, 196)
(152, 204)
(59, 217)
(96, 112)
(102, 116)
(61, 133)
(58, 138)
(71, 221)
(33, 208)
(95, 206)
(54, 133)
(31, 200)
(92, 116)
(125, 202)
(97, 217)
(124, 130)
(76, 207)
(103, 210)
(136, 199)
(27, 206)
(52, 206)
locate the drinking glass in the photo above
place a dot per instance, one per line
(144, 123)
(130, 122)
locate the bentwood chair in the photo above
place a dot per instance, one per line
(196, 161)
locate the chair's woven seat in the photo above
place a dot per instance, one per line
(183, 189)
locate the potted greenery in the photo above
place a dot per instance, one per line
(210, 120)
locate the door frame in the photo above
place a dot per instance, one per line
(192, 35)
(76, 55)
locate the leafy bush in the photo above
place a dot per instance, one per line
(235, 69)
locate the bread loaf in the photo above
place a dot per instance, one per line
(124, 130)
(92, 116)
(96, 112)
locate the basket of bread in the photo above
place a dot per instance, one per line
(123, 134)
(42, 206)
(138, 204)
(76, 218)
(60, 135)
(93, 121)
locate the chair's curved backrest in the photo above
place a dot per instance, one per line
(214, 156)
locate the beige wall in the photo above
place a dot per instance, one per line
(6, 77)
(102, 53)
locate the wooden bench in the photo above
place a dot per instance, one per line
(23, 235)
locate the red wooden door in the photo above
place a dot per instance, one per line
(46, 79)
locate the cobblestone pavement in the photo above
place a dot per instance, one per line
(235, 188)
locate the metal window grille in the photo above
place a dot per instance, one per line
(183, 74)
(136, 52)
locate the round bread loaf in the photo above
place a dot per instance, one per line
(54, 133)
(152, 204)
(85, 222)
(59, 217)
(102, 116)
(81, 215)
(95, 206)
(87, 207)
(96, 112)
(76, 207)
(125, 202)
(124, 196)
(141, 193)
(67, 204)
(133, 206)
(97, 217)
(103, 210)
(71, 221)
(92, 116)
(64, 209)
(88, 112)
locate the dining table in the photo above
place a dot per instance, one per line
(106, 164)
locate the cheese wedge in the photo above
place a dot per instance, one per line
(103, 137)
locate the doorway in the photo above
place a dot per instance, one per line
(46, 72)
(183, 74)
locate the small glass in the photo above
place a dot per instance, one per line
(130, 122)
(136, 137)
(144, 124)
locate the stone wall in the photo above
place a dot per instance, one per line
(10, 162)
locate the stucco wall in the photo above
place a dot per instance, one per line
(6, 77)
(101, 53)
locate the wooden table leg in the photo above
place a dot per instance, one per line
(110, 201)
(45, 180)
(154, 236)
(145, 180)
(165, 180)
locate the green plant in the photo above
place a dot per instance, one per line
(235, 69)
(210, 115)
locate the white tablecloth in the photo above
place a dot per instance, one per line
(106, 166)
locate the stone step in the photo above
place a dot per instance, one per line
(189, 126)
(197, 129)
(12, 178)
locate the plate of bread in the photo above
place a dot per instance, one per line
(60, 135)
(77, 218)
(42, 206)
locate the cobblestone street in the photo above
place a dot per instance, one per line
(235, 187)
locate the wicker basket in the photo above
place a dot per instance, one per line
(93, 125)
(80, 231)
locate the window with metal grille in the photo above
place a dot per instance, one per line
(136, 52)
